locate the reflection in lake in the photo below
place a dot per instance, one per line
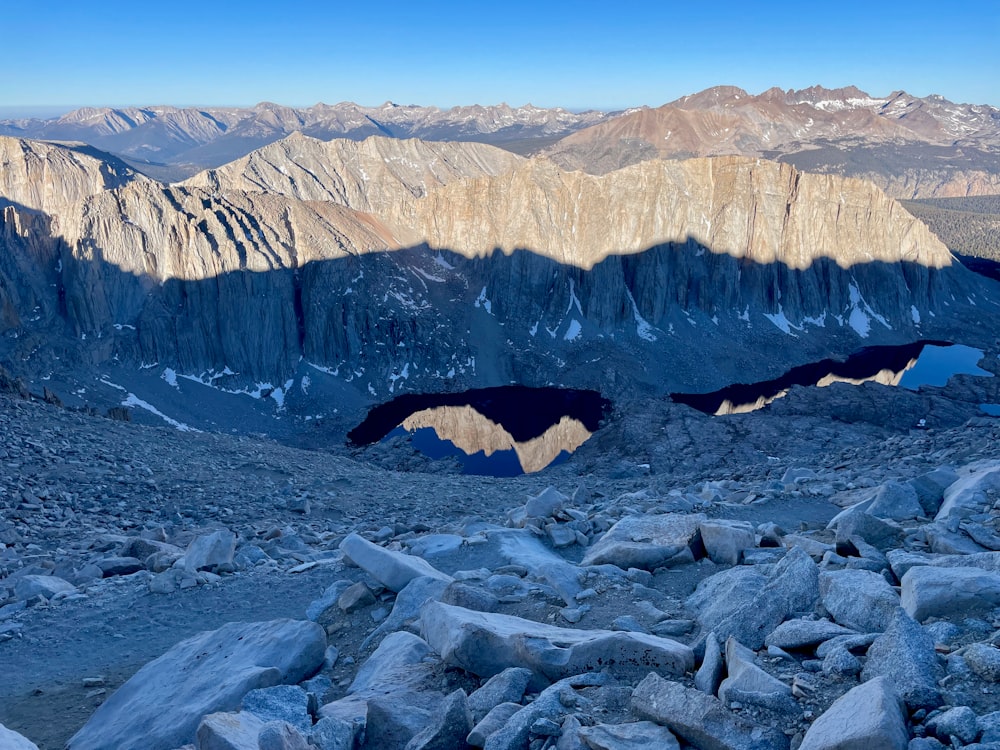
(930, 363)
(502, 431)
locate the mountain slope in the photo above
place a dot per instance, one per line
(910, 146)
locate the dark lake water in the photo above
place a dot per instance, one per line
(911, 366)
(501, 431)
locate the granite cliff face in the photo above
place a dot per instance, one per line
(394, 265)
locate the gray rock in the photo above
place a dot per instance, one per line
(796, 474)
(387, 670)
(791, 588)
(332, 733)
(925, 743)
(709, 674)
(747, 683)
(968, 495)
(28, 586)
(854, 643)
(812, 547)
(280, 735)
(288, 703)
(550, 704)
(546, 504)
(431, 545)
(901, 561)
(858, 599)
(119, 566)
(506, 687)
(984, 660)
(700, 719)
(944, 541)
(327, 600)
(210, 551)
(883, 535)
(952, 592)
(393, 569)
(486, 644)
(470, 597)
(637, 735)
(725, 540)
(452, 724)
(11, 740)
(896, 502)
(989, 725)
(802, 633)
(647, 542)
(494, 721)
(560, 535)
(355, 597)
(392, 722)
(162, 704)
(406, 608)
(840, 662)
(905, 655)
(228, 731)
(866, 717)
(718, 596)
(930, 488)
(960, 722)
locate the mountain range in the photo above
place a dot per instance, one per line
(329, 275)
(912, 147)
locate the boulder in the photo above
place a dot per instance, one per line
(984, 660)
(161, 706)
(406, 608)
(636, 735)
(858, 599)
(866, 717)
(648, 542)
(228, 731)
(506, 687)
(28, 586)
(486, 644)
(969, 495)
(545, 504)
(930, 488)
(393, 569)
(280, 735)
(725, 541)
(802, 633)
(700, 720)
(497, 718)
(289, 703)
(960, 721)
(905, 655)
(210, 551)
(948, 592)
(709, 674)
(452, 724)
(748, 684)
(11, 740)
(883, 535)
(896, 502)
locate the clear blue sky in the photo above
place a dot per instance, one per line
(604, 55)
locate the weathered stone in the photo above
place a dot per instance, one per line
(11, 740)
(882, 535)
(470, 597)
(839, 662)
(948, 592)
(119, 566)
(550, 704)
(355, 597)
(486, 644)
(637, 735)
(406, 608)
(161, 706)
(506, 687)
(725, 540)
(210, 551)
(280, 735)
(288, 703)
(896, 501)
(791, 588)
(968, 496)
(747, 683)
(496, 719)
(984, 660)
(546, 504)
(328, 599)
(960, 722)
(28, 586)
(858, 599)
(866, 717)
(803, 633)
(700, 719)
(905, 655)
(228, 731)
(393, 569)
(331, 733)
(647, 542)
(452, 724)
(930, 488)
(709, 674)
(387, 669)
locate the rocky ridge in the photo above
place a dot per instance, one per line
(845, 131)
(756, 593)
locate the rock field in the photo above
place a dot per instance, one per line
(769, 580)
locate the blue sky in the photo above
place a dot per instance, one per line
(578, 55)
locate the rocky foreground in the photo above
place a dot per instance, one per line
(821, 585)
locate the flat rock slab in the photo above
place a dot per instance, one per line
(859, 599)
(948, 592)
(636, 735)
(392, 569)
(161, 706)
(11, 740)
(968, 495)
(700, 719)
(486, 644)
(802, 634)
(866, 717)
(646, 542)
